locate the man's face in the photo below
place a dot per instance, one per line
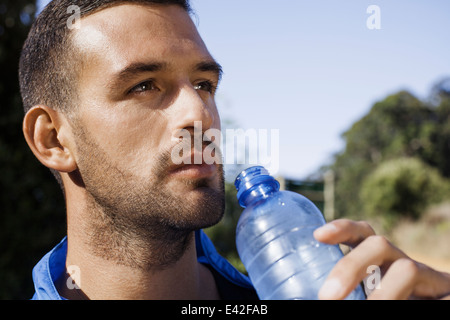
(146, 75)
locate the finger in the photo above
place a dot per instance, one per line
(407, 278)
(344, 231)
(399, 281)
(352, 268)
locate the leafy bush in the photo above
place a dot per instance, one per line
(402, 187)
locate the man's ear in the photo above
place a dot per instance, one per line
(46, 135)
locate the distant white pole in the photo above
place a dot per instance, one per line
(329, 195)
(282, 181)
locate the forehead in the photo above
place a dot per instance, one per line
(117, 36)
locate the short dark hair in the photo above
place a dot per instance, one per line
(49, 62)
(46, 69)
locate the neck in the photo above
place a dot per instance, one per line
(104, 279)
(113, 266)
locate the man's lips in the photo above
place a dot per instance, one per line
(193, 167)
(194, 171)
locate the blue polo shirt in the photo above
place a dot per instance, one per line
(232, 284)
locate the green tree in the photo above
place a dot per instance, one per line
(32, 218)
(438, 152)
(398, 126)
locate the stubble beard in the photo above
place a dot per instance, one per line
(143, 223)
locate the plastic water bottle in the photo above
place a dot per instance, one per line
(275, 241)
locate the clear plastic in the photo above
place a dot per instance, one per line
(275, 241)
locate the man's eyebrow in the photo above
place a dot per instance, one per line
(133, 69)
(210, 66)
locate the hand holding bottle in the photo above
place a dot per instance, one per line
(402, 277)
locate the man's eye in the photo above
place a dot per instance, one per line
(207, 86)
(143, 86)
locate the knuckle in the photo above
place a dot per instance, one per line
(365, 225)
(379, 242)
(407, 266)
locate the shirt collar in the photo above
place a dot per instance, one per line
(53, 266)
(48, 270)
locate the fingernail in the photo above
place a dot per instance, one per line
(331, 289)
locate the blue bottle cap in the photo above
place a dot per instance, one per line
(251, 177)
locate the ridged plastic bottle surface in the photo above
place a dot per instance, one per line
(275, 241)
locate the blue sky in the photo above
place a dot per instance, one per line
(312, 68)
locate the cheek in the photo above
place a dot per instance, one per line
(130, 139)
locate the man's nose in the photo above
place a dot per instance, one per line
(190, 108)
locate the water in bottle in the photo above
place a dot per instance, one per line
(275, 241)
